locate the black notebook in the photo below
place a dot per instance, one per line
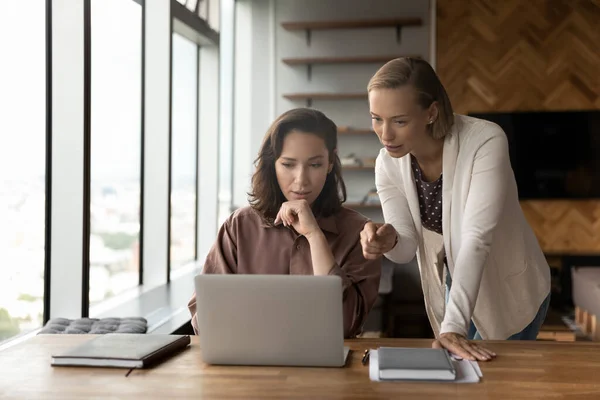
(415, 364)
(122, 350)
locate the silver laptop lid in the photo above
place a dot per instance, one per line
(270, 319)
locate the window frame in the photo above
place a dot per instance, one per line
(87, 160)
(47, 168)
(57, 301)
(67, 234)
(189, 25)
(170, 269)
(48, 183)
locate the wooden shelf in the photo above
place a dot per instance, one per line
(351, 24)
(340, 60)
(354, 132)
(309, 97)
(357, 168)
(310, 61)
(325, 96)
(363, 206)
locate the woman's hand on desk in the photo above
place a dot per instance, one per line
(377, 239)
(460, 346)
(298, 214)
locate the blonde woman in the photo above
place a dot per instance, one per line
(449, 197)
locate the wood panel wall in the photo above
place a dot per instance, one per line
(524, 55)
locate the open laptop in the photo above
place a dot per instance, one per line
(283, 320)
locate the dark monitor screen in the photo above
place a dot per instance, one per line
(553, 154)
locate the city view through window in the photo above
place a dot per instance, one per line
(116, 140)
(22, 166)
(116, 145)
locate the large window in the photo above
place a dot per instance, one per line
(116, 101)
(184, 131)
(226, 116)
(22, 165)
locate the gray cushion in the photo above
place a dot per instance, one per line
(95, 326)
(586, 288)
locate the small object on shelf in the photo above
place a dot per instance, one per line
(368, 162)
(351, 161)
(371, 198)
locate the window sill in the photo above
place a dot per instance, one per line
(163, 306)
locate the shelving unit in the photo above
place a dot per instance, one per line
(310, 61)
(353, 136)
(310, 26)
(309, 97)
(351, 24)
(326, 57)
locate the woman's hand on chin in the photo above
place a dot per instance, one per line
(298, 215)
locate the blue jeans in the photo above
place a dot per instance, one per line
(529, 333)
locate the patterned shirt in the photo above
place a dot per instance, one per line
(430, 199)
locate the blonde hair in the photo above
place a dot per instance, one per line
(421, 76)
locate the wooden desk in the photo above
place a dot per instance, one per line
(522, 370)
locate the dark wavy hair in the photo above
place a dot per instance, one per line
(266, 196)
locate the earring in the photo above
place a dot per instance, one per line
(430, 121)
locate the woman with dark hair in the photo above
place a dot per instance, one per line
(296, 223)
(449, 197)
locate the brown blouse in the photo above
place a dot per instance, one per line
(246, 245)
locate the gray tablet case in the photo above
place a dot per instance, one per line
(415, 364)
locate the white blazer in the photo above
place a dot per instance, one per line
(500, 276)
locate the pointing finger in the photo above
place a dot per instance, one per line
(386, 230)
(371, 231)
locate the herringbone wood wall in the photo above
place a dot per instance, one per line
(565, 227)
(517, 55)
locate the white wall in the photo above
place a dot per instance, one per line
(253, 92)
(262, 78)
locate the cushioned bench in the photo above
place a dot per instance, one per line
(95, 326)
(586, 297)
